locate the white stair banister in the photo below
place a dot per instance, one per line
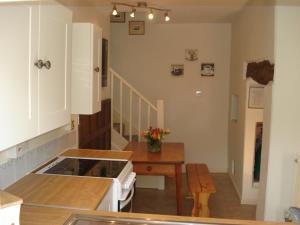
(112, 99)
(121, 108)
(141, 118)
(160, 114)
(148, 116)
(130, 115)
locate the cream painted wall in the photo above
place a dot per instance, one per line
(251, 118)
(252, 40)
(284, 141)
(199, 122)
(101, 18)
(260, 210)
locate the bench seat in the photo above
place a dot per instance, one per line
(201, 185)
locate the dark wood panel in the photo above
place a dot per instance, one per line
(95, 130)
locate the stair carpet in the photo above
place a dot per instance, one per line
(116, 126)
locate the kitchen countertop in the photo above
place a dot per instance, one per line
(61, 191)
(7, 200)
(53, 216)
(88, 153)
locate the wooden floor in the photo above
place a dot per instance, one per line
(223, 204)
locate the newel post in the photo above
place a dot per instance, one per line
(160, 114)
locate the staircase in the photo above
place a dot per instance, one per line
(131, 112)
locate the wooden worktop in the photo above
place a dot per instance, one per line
(53, 216)
(7, 200)
(88, 153)
(61, 191)
(170, 153)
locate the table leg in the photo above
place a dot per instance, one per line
(178, 172)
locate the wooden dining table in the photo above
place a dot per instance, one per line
(167, 162)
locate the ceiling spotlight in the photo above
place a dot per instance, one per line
(114, 12)
(132, 14)
(150, 15)
(167, 18)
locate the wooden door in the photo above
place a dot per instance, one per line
(95, 130)
(54, 83)
(18, 75)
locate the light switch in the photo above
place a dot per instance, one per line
(199, 93)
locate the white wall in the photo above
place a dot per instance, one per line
(199, 122)
(284, 141)
(252, 40)
(252, 116)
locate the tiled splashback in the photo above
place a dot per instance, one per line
(14, 169)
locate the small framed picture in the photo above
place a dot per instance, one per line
(119, 18)
(136, 27)
(177, 69)
(207, 69)
(191, 54)
(256, 98)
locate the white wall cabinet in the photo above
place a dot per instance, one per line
(86, 68)
(34, 100)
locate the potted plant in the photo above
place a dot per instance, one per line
(154, 138)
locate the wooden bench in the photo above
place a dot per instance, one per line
(201, 185)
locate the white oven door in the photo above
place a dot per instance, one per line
(127, 193)
(125, 205)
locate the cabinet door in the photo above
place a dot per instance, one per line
(18, 75)
(97, 68)
(54, 83)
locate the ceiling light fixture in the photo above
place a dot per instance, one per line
(167, 18)
(141, 5)
(114, 12)
(132, 14)
(150, 15)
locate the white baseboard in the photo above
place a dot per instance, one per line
(236, 188)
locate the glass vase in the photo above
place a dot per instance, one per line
(154, 146)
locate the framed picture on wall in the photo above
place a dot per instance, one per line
(256, 98)
(119, 18)
(136, 27)
(177, 69)
(207, 69)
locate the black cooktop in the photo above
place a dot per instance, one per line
(88, 167)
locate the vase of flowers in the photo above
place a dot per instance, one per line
(154, 138)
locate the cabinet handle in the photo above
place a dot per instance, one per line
(97, 69)
(47, 65)
(149, 168)
(39, 64)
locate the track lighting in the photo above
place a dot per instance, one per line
(114, 12)
(167, 18)
(141, 5)
(132, 14)
(150, 15)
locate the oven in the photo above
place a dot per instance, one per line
(120, 171)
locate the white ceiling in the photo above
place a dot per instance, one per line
(182, 11)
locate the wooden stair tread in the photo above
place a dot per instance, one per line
(199, 179)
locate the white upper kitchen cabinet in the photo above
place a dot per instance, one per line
(86, 68)
(55, 47)
(35, 44)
